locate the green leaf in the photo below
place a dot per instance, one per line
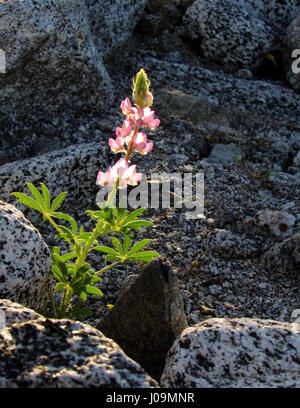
(117, 244)
(127, 243)
(55, 251)
(139, 245)
(132, 216)
(58, 201)
(36, 194)
(84, 268)
(60, 262)
(83, 296)
(69, 256)
(111, 257)
(59, 287)
(137, 224)
(46, 196)
(57, 274)
(74, 226)
(62, 216)
(106, 250)
(67, 231)
(28, 201)
(145, 256)
(92, 290)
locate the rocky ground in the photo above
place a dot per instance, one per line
(237, 124)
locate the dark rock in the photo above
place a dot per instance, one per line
(148, 317)
(291, 62)
(284, 257)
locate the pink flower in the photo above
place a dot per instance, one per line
(104, 179)
(140, 144)
(117, 146)
(120, 171)
(126, 107)
(131, 177)
(148, 119)
(125, 130)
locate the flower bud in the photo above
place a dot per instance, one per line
(141, 95)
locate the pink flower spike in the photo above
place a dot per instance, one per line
(117, 146)
(125, 130)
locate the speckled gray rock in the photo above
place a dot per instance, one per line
(25, 266)
(16, 313)
(54, 64)
(147, 317)
(291, 61)
(232, 246)
(284, 257)
(64, 354)
(235, 353)
(280, 223)
(276, 13)
(226, 154)
(73, 169)
(297, 160)
(227, 33)
(114, 21)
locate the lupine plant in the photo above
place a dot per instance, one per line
(74, 277)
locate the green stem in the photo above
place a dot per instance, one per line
(95, 234)
(53, 223)
(107, 268)
(62, 304)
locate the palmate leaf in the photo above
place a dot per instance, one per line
(28, 201)
(106, 250)
(36, 194)
(132, 216)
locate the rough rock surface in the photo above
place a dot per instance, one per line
(55, 73)
(280, 223)
(16, 313)
(226, 154)
(147, 317)
(25, 267)
(227, 33)
(64, 354)
(113, 22)
(284, 257)
(235, 353)
(292, 62)
(276, 13)
(73, 169)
